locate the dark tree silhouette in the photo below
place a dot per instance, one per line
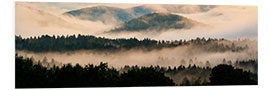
(46, 43)
(146, 76)
(34, 75)
(185, 82)
(29, 74)
(227, 75)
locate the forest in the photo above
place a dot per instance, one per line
(46, 43)
(30, 74)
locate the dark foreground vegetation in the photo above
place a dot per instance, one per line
(227, 75)
(46, 43)
(33, 75)
(30, 75)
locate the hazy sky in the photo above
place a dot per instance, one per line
(60, 7)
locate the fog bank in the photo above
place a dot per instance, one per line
(182, 55)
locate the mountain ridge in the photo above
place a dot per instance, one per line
(106, 14)
(114, 15)
(158, 22)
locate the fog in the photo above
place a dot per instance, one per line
(182, 55)
(30, 21)
(230, 22)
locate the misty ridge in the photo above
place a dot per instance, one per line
(120, 15)
(158, 22)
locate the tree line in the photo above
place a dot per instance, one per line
(33, 75)
(46, 43)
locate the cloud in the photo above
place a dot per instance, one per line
(61, 7)
(230, 22)
(163, 57)
(30, 21)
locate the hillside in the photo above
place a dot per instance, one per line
(106, 14)
(113, 15)
(158, 22)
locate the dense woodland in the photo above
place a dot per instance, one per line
(46, 43)
(29, 74)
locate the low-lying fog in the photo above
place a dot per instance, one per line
(182, 55)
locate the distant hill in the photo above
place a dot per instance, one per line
(113, 15)
(158, 22)
(184, 9)
(106, 14)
